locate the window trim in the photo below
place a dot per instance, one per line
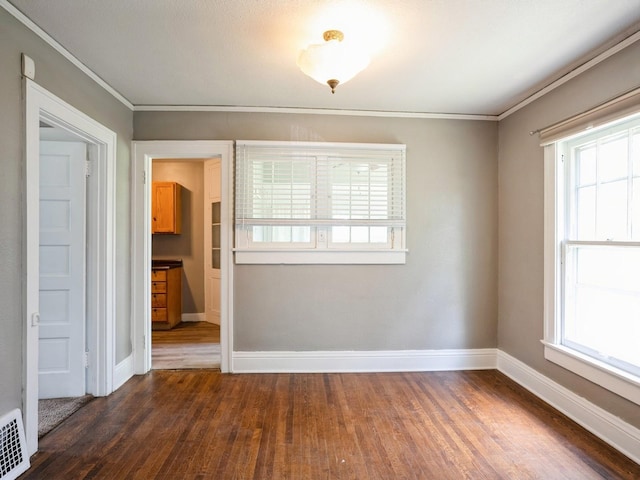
(607, 376)
(321, 250)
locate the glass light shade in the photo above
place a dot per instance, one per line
(333, 60)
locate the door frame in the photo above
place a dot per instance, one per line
(40, 104)
(144, 152)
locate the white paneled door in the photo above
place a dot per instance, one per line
(61, 365)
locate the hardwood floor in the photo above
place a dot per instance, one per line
(187, 345)
(439, 425)
(187, 332)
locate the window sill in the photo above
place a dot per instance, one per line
(331, 257)
(618, 381)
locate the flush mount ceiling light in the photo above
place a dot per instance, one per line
(334, 61)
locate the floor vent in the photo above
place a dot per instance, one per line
(14, 459)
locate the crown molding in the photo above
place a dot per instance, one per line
(311, 111)
(22, 18)
(631, 39)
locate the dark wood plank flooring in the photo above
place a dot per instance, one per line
(438, 425)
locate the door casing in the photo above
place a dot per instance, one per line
(41, 104)
(144, 152)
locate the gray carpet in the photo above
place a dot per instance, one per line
(52, 412)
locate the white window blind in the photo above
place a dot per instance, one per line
(302, 194)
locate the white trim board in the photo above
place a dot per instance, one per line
(364, 361)
(41, 104)
(314, 111)
(194, 317)
(123, 372)
(609, 428)
(143, 153)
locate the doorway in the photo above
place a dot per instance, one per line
(99, 298)
(144, 153)
(185, 264)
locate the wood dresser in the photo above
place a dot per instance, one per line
(166, 294)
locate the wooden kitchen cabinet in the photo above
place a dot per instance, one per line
(166, 297)
(166, 208)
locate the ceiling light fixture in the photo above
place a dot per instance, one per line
(334, 61)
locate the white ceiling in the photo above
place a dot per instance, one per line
(437, 56)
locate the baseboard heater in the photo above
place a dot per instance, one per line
(14, 459)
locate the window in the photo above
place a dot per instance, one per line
(592, 255)
(299, 202)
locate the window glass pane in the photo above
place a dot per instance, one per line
(378, 234)
(586, 159)
(612, 211)
(272, 234)
(215, 259)
(602, 308)
(586, 217)
(215, 236)
(360, 234)
(257, 234)
(612, 161)
(635, 152)
(215, 212)
(635, 211)
(280, 234)
(340, 234)
(301, 234)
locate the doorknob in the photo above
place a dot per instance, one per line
(35, 319)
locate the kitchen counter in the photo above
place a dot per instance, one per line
(165, 264)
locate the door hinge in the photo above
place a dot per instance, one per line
(86, 359)
(144, 177)
(87, 168)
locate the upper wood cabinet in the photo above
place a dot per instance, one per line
(166, 207)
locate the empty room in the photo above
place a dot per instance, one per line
(325, 239)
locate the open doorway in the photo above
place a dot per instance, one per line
(185, 263)
(144, 153)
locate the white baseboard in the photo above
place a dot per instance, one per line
(611, 429)
(123, 372)
(194, 317)
(364, 361)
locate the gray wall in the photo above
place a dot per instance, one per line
(189, 245)
(444, 297)
(57, 75)
(520, 325)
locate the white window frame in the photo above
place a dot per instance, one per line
(321, 249)
(610, 377)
